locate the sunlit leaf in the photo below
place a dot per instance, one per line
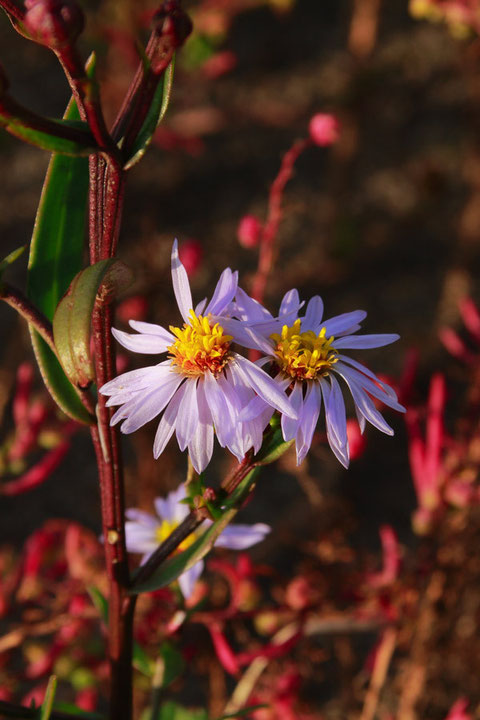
(56, 255)
(47, 705)
(73, 316)
(172, 711)
(52, 143)
(154, 117)
(77, 712)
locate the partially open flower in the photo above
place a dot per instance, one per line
(203, 385)
(145, 532)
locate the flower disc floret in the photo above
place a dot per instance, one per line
(200, 347)
(304, 355)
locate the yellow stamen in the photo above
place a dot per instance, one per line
(304, 355)
(163, 531)
(200, 346)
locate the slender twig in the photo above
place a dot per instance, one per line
(12, 113)
(270, 229)
(13, 10)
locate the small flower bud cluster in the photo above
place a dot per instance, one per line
(54, 23)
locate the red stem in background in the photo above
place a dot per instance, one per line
(270, 229)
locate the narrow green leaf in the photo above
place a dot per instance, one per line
(45, 141)
(56, 255)
(142, 661)
(154, 117)
(73, 317)
(273, 447)
(77, 712)
(10, 259)
(100, 601)
(172, 568)
(47, 705)
(174, 663)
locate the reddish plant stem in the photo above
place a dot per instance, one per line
(13, 10)
(270, 229)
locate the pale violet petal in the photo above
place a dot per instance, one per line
(200, 447)
(146, 344)
(224, 292)
(152, 329)
(365, 405)
(138, 538)
(333, 424)
(200, 307)
(141, 517)
(290, 426)
(167, 423)
(136, 379)
(264, 385)
(290, 303)
(310, 413)
(151, 404)
(352, 342)
(314, 314)
(187, 414)
(250, 310)
(222, 411)
(365, 371)
(241, 537)
(370, 386)
(181, 286)
(340, 323)
(188, 579)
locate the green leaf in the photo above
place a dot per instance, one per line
(273, 447)
(47, 705)
(174, 663)
(10, 259)
(76, 712)
(154, 117)
(73, 317)
(56, 255)
(53, 143)
(142, 661)
(176, 565)
(100, 601)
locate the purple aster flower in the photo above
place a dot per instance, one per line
(306, 356)
(203, 384)
(145, 532)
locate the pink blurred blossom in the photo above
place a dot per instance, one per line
(191, 255)
(249, 231)
(324, 129)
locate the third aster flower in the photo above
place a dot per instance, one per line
(203, 385)
(145, 532)
(305, 353)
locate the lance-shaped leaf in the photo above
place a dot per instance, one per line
(73, 316)
(71, 139)
(56, 255)
(155, 115)
(175, 566)
(47, 705)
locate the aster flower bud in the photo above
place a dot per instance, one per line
(55, 23)
(324, 129)
(172, 26)
(248, 231)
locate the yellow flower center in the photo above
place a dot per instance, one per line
(304, 355)
(200, 346)
(165, 529)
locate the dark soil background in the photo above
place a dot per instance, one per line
(388, 220)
